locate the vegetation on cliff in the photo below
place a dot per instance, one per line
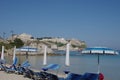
(10, 44)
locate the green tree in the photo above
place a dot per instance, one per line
(17, 42)
(59, 44)
(7, 46)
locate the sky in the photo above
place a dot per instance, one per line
(97, 22)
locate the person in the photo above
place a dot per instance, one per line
(101, 76)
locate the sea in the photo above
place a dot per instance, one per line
(79, 63)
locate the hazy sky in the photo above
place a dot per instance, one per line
(97, 22)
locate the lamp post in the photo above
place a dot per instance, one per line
(4, 36)
(12, 33)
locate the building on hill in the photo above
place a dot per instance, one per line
(61, 40)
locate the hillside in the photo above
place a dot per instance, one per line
(50, 42)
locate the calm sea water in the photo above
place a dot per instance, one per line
(109, 64)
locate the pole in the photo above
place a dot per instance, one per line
(4, 36)
(98, 65)
(2, 55)
(12, 34)
(45, 55)
(14, 53)
(67, 60)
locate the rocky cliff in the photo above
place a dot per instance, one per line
(50, 42)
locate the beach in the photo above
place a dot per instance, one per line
(79, 64)
(11, 76)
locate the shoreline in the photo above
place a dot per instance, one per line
(50, 54)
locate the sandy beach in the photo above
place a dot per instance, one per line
(11, 76)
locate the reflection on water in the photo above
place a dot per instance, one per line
(79, 64)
